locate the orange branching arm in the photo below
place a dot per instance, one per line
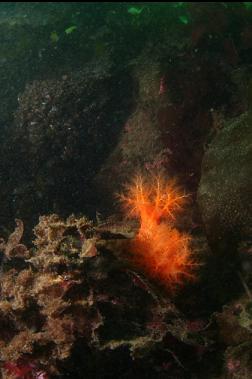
(159, 249)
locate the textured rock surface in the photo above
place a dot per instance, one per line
(224, 193)
(235, 334)
(70, 302)
(63, 131)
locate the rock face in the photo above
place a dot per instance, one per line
(70, 299)
(224, 193)
(63, 130)
(234, 324)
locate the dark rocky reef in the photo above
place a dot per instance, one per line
(224, 193)
(70, 306)
(183, 72)
(64, 129)
(90, 94)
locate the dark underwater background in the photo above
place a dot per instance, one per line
(92, 94)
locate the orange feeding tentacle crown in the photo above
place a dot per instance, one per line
(159, 249)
